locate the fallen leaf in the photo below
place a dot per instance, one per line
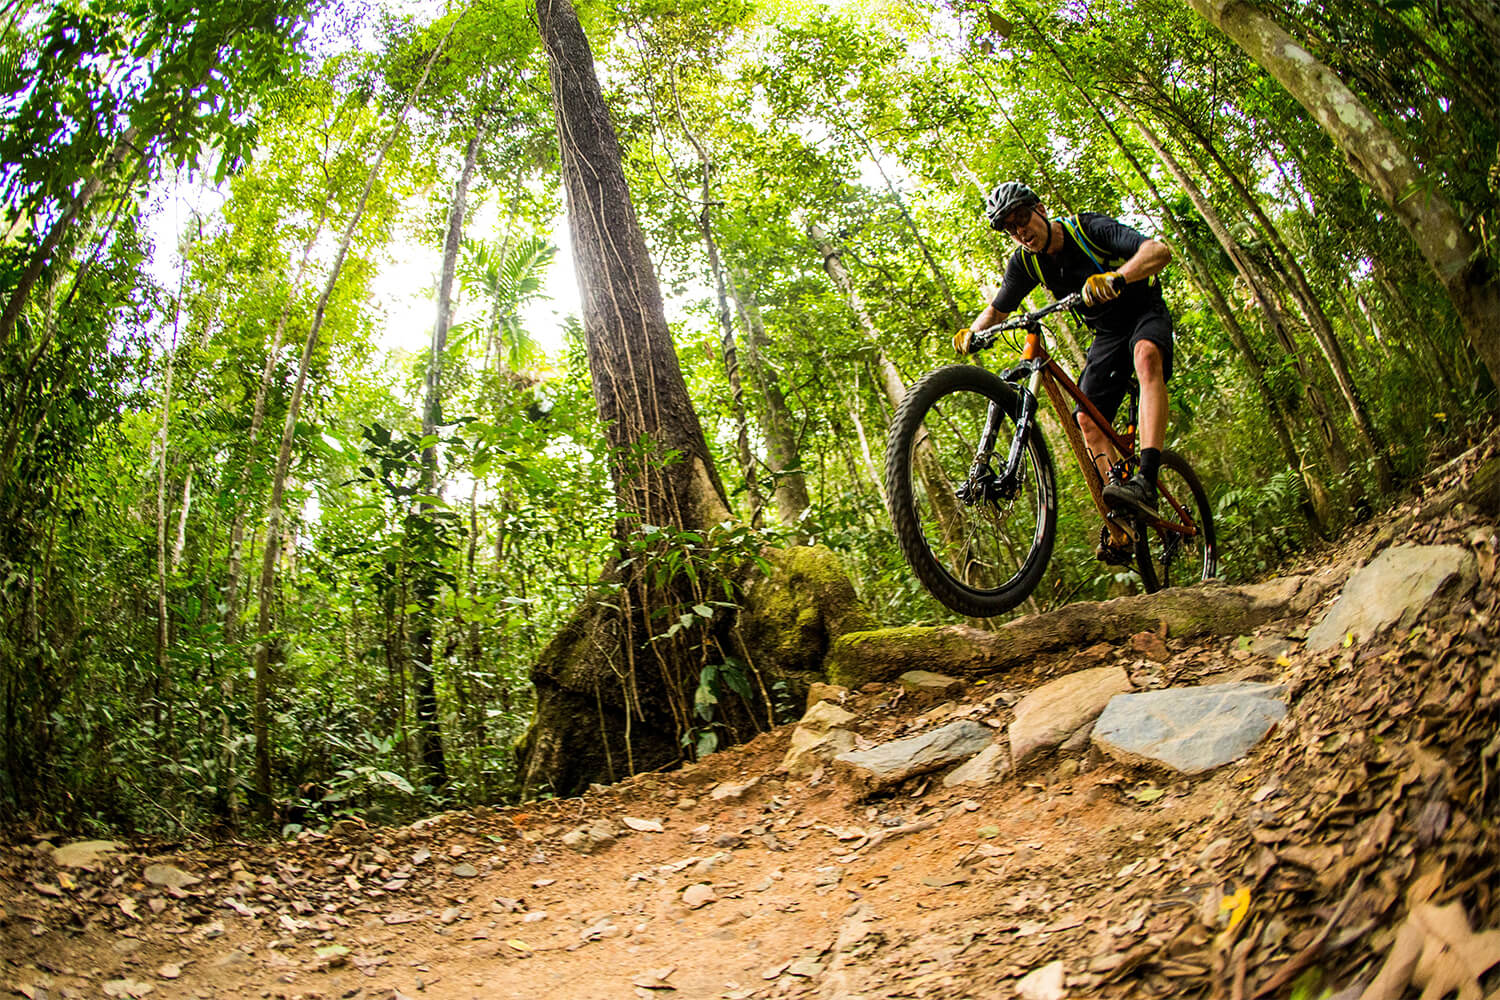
(1436, 950)
(520, 946)
(1238, 905)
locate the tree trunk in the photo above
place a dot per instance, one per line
(257, 421)
(424, 670)
(638, 383)
(777, 424)
(1322, 329)
(726, 323)
(596, 669)
(1379, 159)
(1323, 418)
(266, 589)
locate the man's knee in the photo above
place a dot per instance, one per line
(1148, 361)
(1086, 423)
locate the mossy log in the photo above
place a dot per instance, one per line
(582, 731)
(962, 649)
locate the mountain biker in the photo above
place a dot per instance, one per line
(1111, 264)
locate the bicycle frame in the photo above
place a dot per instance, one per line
(1038, 370)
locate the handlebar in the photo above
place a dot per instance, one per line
(986, 338)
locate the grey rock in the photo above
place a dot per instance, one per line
(1393, 589)
(988, 766)
(893, 762)
(820, 736)
(1058, 709)
(1190, 730)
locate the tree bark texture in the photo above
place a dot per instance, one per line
(638, 384)
(883, 654)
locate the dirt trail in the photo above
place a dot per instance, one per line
(1375, 796)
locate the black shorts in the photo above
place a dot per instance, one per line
(1111, 361)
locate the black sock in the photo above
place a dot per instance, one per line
(1150, 464)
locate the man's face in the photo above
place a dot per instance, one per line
(1028, 227)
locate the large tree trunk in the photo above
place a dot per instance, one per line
(1379, 159)
(601, 709)
(610, 700)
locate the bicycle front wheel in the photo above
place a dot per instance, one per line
(1168, 555)
(977, 538)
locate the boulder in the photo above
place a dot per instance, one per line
(1190, 730)
(1393, 589)
(893, 762)
(1058, 709)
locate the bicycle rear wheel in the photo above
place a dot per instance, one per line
(977, 540)
(1168, 558)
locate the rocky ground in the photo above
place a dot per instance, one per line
(1027, 850)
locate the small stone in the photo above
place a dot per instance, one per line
(1045, 983)
(170, 877)
(818, 691)
(929, 685)
(698, 895)
(984, 768)
(725, 790)
(465, 870)
(893, 762)
(577, 840)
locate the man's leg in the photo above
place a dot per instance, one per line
(1153, 416)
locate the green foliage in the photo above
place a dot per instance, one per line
(882, 136)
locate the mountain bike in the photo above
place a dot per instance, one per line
(973, 494)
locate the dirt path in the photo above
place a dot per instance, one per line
(1378, 794)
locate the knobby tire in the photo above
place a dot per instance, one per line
(982, 558)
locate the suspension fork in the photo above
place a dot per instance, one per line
(991, 436)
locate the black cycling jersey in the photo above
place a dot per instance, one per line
(1064, 272)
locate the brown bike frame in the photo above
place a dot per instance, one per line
(1057, 384)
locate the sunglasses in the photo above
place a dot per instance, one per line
(1015, 221)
